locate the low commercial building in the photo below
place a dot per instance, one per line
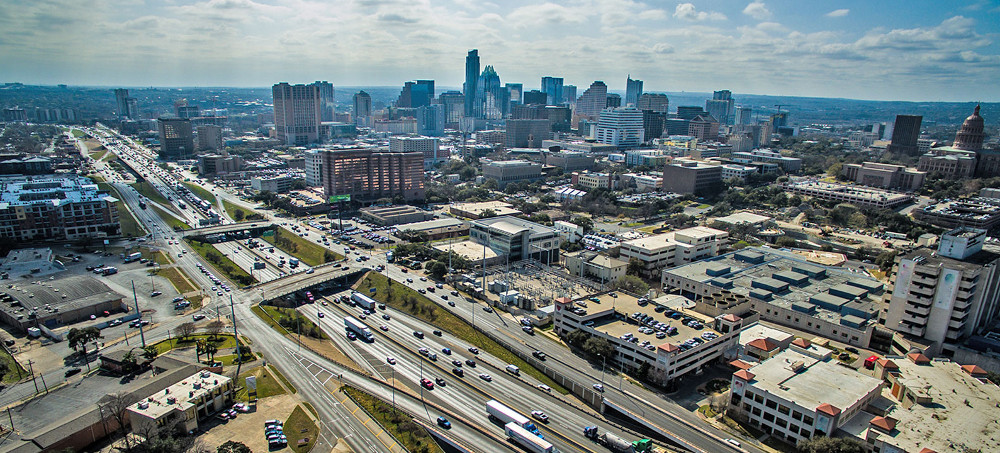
(570, 232)
(55, 207)
(979, 212)
(181, 406)
(587, 147)
(483, 209)
(218, 164)
(273, 184)
(668, 358)
(692, 177)
(508, 171)
(595, 266)
(517, 238)
(58, 302)
(886, 176)
(785, 289)
(438, 228)
(673, 249)
(856, 195)
(472, 251)
(395, 215)
(787, 164)
(795, 397)
(741, 172)
(570, 161)
(307, 202)
(595, 180)
(759, 342)
(747, 217)
(641, 183)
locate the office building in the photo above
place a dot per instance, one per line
(210, 137)
(553, 89)
(218, 164)
(621, 127)
(453, 103)
(416, 94)
(653, 124)
(297, 113)
(273, 184)
(368, 175)
(886, 176)
(127, 106)
(187, 111)
(704, 128)
(614, 101)
(593, 100)
(181, 406)
(362, 109)
(590, 180)
(559, 116)
(905, 133)
(535, 97)
(633, 90)
(516, 238)
(692, 177)
(676, 126)
(515, 92)
(491, 97)
(471, 81)
(656, 102)
(314, 168)
(569, 95)
(721, 106)
(672, 249)
(744, 116)
(483, 209)
(326, 101)
(176, 138)
(796, 396)
(431, 120)
(867, 197)
(689, 112)
(570, 161)
(442, 228)
(55, 207)
(594, 266)
(508, 171)
(757, 156)
(429, 147)
(14, 115)
(395, 215)
(941, 298)
(527, 133)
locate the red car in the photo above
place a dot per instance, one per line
(427, 383)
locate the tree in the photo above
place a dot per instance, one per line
(786, 241)
(129, 362)
(586, 222)
(598, 347)
(832, 445)
(80, 337)
(630, 283)
(487, 213)
(114, 407)
(885, 260)
(239, 215)
(634, 266)
(437, 269)
(185, 329)
(233, 446)
(210, 350)
(4, 369)
(149, 353)
(214, 328)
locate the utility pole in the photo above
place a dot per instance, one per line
(142, 335)
(236, 336)
(31, 370)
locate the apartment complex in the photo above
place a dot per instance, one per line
(314, 167)
(508, 171)
(517, 238)
(694, 177)
(369, 175)
(941, 298)
(182, 405)
(797, 395)
(297, 113)
(886, 176)
(673, 249)
(55, 207)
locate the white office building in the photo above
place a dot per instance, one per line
(673, 249)
(621, 127)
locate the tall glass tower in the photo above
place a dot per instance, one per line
(471, 79)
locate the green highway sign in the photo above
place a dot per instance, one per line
(268, 233)
(336, 198)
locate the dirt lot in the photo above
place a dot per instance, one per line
(249, 427)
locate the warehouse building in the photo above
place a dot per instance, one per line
(56, 303)
(395, 215)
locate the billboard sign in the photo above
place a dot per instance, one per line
(338, 198)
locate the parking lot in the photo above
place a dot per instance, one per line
(249, 427)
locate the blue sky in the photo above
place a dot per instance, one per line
(890, 50)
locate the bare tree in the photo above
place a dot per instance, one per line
(719, 402)
(184, 330)
(215, 327)
(114, 407)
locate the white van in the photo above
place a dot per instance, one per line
(513, 369)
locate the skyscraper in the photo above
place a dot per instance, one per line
(176, 138)
(688, 112)
(593, 101)
(721, 106)
(491, 97)
(535, 97)
(416, 94)
(453, 103)
(515, 91)
(362, 109)
(621, 127)
(743, 117)
(296, 113)
(471, 78)
(326, 102)
(656, 102)
(553, 89)
(614, 100)
(905, 133)
(569, 94)
(430, 120)
(633, 89)
(127, 106)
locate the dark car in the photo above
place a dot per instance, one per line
(73, 371)
(470, 362)
(458, 372)
(437, 332)
(444, 423)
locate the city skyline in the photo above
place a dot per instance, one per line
(924, 51)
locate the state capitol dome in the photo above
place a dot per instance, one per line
(970, 136)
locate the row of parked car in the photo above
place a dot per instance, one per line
(274, 431)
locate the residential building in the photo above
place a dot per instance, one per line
(743, 117)
(471, 79)
(55, 207)
(326, 100)
(666, 360)
(656, 102)
(431, 120)
(428, 146)
(14, 115)
(273, 184)
(940, 298)
(595, 266)
(887, 176)
(593, 101)
(27, 166)
(976, 212)
(779, 396)
(181, 406)
(362, 109)
(297, 113)
(209, 137)
(621, 127)
(314, 168)
(675, 248)
(569, 195)
(704, 127)
(692, 177)
(395, 215)
(517, 238)
(483, 209)
(856, 195)
(218, 164)
(633, 90)
(787, 164)
(553, 89)
(508, 171)
(905, 133)
(527, 133)
(176, 138)
(127, 107)
(570, 161)
(368, 175)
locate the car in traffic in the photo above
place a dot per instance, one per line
(320, 314)
(470, 362)
(418, 334)
(458, 371)
(446, 351)
(474, 350)
(439, 381)
(599, 387)
(485, 377)
(544, 387)
(426, 383)
(384, 328)
(444, 423)
(540, 416)
(72, 371)
(390, 360)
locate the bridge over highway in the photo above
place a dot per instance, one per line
(255, 228)
(289, 284)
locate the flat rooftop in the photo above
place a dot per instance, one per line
(446, 222)
(65, 294)
(665, 240)
(857, 192)
(744, 217)
(498, 207)
(626, 305)
(514, 225)
(759, 331)
(179, 395)
(818, 382)
(468, 249)
(55, 190)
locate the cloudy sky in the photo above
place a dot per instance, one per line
(885, 49)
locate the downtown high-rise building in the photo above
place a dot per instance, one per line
(326, 101)
(633, 89)
(535, 97)
(905, 133)
(553, 89)
(491, 97)
(362, 109)
(368, 175)
(721, 106)
(515, 91)
(656, 102)
(176, 138)
(593, 101)
(297, 113)
(569, 94)
(127, 106)
(621, 127)
(743, 116)
(614, 101)
(471, 79)
(453, 103)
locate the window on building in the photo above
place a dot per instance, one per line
(807, 420)
(771, 404)
(797, 415)
(783, 410)
(769, 417)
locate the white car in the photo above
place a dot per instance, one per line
(485, 377)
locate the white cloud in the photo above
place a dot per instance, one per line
(544, 14)
(838, 13)
(687, 11)
(653, 14)
(757, 10)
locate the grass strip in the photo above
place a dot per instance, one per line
(15, 372)
(130, 226)
(177, 278)
(201, 192)
(300, 426)
(310, 408)
(221, 341)
(239, 213)
(283, 379)
(413, 436)
(406, 299)
(174, 222)
(263, 315)
(286, 318)
(221, 263)
(78, 133)
(147, 190)
(267, 383)
(309, 253)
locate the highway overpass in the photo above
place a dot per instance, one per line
(289, 284)
(255, 228)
